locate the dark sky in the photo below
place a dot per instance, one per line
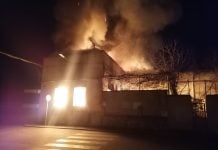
(198, 27)
(26, 29)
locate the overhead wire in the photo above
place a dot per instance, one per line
(20, 59)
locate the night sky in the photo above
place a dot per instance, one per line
(27, 29)
(197, 29)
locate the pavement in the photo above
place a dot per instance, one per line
(132, 131)
(77, 128)
(61, 127)
(36, 137)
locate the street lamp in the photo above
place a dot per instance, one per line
(47, 98)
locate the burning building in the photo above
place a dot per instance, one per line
(86, 80)
(73, 79)
(89, 88)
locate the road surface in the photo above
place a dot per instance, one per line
(35, 138)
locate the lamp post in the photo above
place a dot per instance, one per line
(48, 98)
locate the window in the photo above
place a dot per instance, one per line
(60, 97)
(79, 97)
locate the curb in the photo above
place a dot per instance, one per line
(69, 127)
(118, 131)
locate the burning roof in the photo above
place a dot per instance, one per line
(74, 64)
(127, 30)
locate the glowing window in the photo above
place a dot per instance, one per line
(79, 97)
(60, 97)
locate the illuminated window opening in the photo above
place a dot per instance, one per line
(79, 97)
(60, 97)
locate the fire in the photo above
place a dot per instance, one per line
(93, 33)
(79, 97)
(126, 30)
(93, 28)
(60, 97)
(135, 63)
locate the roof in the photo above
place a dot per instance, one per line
(92, 56)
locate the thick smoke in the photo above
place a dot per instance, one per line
(126, 29)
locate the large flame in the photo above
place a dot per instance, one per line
(125, 29)
(93, 27)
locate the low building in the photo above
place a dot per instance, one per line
(79, 88)
(73, 82)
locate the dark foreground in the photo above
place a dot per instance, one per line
(38, 138)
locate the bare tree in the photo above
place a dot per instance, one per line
(171, 59)
(212, 61)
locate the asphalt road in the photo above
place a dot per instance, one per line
(35, 138)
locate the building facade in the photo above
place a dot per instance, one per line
(72, 85)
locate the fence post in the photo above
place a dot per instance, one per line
(193, 84)
(188, 88)
(139, 82)
(205, 88)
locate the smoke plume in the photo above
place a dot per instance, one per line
(126, 29)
